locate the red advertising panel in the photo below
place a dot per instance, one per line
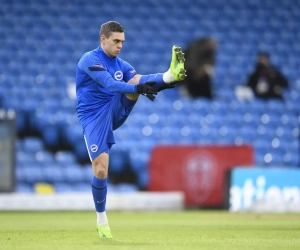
(198, 171)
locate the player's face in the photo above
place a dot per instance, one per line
(112, 45)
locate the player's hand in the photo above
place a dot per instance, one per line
(146, 89)
(166, 86)
(151, 97)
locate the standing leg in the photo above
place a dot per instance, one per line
(98, 137)
(99, 190)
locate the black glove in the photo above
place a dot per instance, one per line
(146, 90)
(166, 86)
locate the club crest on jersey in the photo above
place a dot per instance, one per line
(94, 148)
(118, 75)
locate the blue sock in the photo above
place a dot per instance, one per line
(99, 190)
(157, 78)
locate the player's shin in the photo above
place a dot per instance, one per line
(159, 79)
(99, 190)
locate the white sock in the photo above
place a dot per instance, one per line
(168, 77)
(101, 218)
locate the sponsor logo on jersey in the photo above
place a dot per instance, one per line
(118, 75)
(94, 148)
(132, 71)
(96, 67)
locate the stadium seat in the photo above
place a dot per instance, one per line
(23, 158)
(126, 188)
(72, 174)
(53, 174)
(50, 135)
(138, 160)
(80, 150)
(291, 159)
(63, 188)
(87, 173)
(118, 160)
(64, 158)
(32, 175)
(82, 187)
(44, 158)
(143, 179)
(32, 144)
(24, 188)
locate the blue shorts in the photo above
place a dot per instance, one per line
(98, 134)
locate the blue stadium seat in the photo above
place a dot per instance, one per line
(72, 134)
(276, 159)
(64, 158)
(259, 158)
(24, 158)
(53, 174)
(262, 144)
(44, 158)
(118, 160)
(82, 187)
(51, 135)
(138, 160)
(248, 133)
(32, 175)
(24, 188)
(72, 174)
(291, 159)
(80, 150)
(143, 179)
(126, 188)
(63, 188)
(32, 144)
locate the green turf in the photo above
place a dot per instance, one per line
(155, 230)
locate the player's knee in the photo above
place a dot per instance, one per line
(100, 169)
(132, 97)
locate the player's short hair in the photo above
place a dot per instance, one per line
(109, 27)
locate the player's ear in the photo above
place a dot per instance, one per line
(102, 38)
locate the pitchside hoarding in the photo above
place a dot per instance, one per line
(197, 171)
(265, 186)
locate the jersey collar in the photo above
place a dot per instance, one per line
(101, 52)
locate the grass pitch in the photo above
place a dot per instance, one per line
(150, 230)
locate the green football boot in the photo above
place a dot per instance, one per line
(177, 64)
(104, 232)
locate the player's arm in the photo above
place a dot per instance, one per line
(135, 79)
(99, 74)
